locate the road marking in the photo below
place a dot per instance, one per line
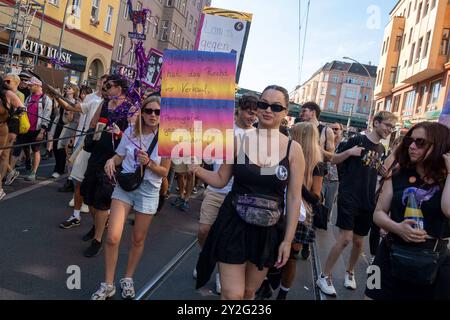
(32, 187)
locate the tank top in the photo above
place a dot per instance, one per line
(249, 180)
(435, 223)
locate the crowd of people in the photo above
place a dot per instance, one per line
(258, 215)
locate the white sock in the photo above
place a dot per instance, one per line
(76, 214)
(284, 289)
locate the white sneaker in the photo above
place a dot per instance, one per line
(104, 292)
(2, 194)
(84, 208)
(349, 281)
(11, 176)
(194, 273)
(56, 175)
(127, 286)
(326, 285)
(218, 286)
(72, 203)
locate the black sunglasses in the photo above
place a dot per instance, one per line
(274, 107)
(7, 81)
(109, 86)
(420, 142)
(150, 111)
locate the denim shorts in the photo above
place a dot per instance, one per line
(144, 199)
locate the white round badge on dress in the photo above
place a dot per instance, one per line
(281, 173)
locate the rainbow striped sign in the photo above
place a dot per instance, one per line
(197, 105)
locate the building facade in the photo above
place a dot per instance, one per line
(340, 89)
(173, 25)
(86, 42)
(414, 72)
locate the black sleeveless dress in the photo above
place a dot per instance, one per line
(231, 240)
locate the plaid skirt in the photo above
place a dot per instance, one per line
(304, 234)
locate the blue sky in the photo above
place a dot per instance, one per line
(336, 28)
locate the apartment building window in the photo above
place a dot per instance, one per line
(54, 2)
(393, 75)
(387, 44)
(409, 103)
(336, 79)
(331, 104)
(95, 9)
(109, 16)
(435, 91)
(347, 107)
(409, 9)
(425, 9)
(178, 38)
(181, 6)
(125, 13)
(398, 43)
(418, 12)
(415, 5)
(322, 90)
(366, 97)
(387, 105)
(350, 93)
(155, 27)
(411, 55)
(397, 76)
(403, 40)
(182, 43)
(445, 42)
(120, 49)
(419, 50)
(433, 4)
(195, 26)
(384, 46)
(132, 57)
(325, 77)
(351, 80)
(422, 91)
(191, 19)
(369, 83)
(333, 92)
(396, 103)
(169, 3)
(173, 33)
(410, 35)
(427, 44)
(76, 8)
(187, 44)
(165, 30)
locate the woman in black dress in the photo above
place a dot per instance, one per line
(244, 251)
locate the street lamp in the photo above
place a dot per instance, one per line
(371, 102)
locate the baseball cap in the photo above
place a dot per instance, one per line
(35, 81)
(24, 75)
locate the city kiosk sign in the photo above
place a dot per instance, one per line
(71, 60)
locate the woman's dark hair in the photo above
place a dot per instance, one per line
(281, 89)
(438, 137)
(3, 89)
(119, 81)
(86, 90)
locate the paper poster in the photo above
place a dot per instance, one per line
(197, 107)
(155, 61)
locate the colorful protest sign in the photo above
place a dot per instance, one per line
(222, 30)
(445, 114)
(155, 61)
(197, 104)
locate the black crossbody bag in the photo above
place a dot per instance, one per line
(132, 181)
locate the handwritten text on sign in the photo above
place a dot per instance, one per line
(196, 87)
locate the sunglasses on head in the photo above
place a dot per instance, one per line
(150, 111)
(419, 142)
(274, 107)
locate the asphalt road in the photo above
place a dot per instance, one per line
(36, 253)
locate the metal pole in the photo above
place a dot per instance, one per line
(350, 118)
(36, 57)
(370, 78)
(62, 32)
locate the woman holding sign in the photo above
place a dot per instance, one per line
(144, 199)
(251, 234)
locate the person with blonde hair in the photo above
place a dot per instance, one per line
(138, 148)
(307, 135)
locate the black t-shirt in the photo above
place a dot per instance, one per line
(435, 222)
(307, 195)
(104, 149)
(358, 175)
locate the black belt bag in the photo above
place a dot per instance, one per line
(419, 264)
(256, 209)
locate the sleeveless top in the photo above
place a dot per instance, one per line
(429, 200)
(249, 178)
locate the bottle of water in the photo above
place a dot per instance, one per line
(412, 211)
